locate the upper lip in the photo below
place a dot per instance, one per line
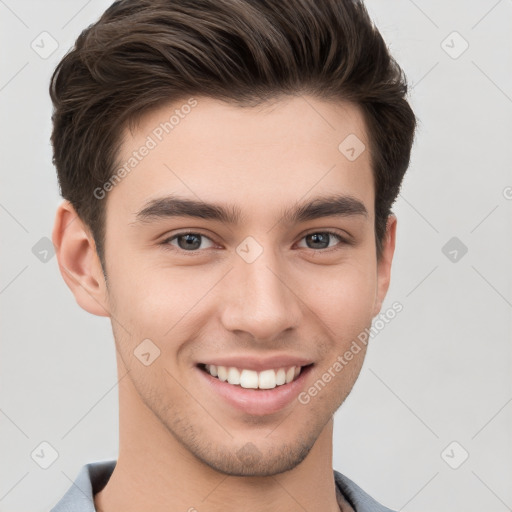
(259, 363)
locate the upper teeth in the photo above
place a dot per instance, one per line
(266, 379)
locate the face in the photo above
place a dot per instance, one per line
(242, 244)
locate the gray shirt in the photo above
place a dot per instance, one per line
(93, 477)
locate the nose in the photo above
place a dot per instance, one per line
(261, 301)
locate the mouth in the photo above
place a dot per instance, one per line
(257, 380)
(251, 379)
(254, 386)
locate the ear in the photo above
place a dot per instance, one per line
(384, 264)
(78, 261)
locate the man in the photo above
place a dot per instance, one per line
(228, 169)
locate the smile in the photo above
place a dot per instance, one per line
(251, 379)
(253, 386)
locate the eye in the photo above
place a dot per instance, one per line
(190, 241)
(319, 239)
(187, 241)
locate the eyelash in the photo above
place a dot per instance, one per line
(166, 243)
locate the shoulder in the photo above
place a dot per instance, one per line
(359, 499)
(90, 480)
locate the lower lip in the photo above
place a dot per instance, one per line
(257, 401)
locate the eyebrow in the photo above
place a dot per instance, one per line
(325, 206)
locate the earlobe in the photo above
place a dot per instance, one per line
(384, 264)
(78, 260)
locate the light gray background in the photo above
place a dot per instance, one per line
(439, 372)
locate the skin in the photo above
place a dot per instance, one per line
(178, 439)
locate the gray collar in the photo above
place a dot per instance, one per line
(93, 477)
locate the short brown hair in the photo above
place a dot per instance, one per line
(143, 53)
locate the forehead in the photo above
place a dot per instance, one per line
(257, 159)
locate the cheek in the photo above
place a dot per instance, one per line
(342, 296)
(158, 301)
